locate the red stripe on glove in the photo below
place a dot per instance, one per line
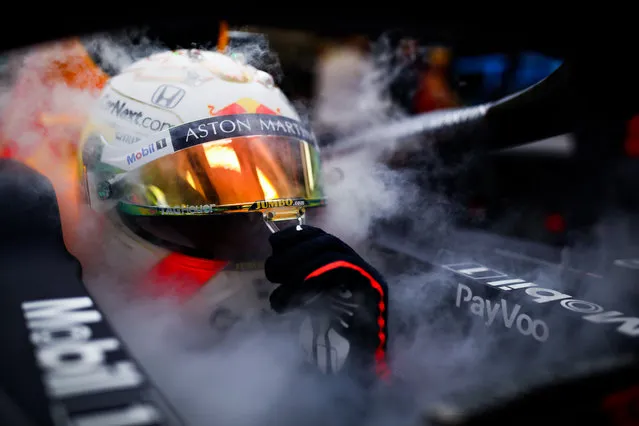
(381, 364)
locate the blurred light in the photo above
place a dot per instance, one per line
(309, 166)
(219, 155)
(555, 223)
(189, 179)
(160, 199)
(477, 209)
(533, 67)
(491, 67)
(182, 275)
(223, 38)
(631, 144)
(270, 193)
(556, 146)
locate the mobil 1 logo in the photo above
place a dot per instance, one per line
(81, 361)
(146, 151)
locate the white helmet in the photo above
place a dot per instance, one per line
(192, 149)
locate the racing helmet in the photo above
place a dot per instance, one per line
(199, 153)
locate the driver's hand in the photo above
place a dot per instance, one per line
(316, 269)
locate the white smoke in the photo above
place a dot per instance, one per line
(444, 356)
(350, 97)
(250, 377)
(115, 51)
(362, 191)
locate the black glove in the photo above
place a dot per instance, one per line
(317, 269)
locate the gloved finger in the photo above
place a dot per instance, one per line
(290, 296)
(331, 272)
(289, 269)
(296, 291)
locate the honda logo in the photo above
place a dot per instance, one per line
(168, 96)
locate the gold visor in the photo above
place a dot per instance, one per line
(236, 174)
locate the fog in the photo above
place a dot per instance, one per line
(250, 375)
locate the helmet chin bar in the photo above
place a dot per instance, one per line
(272, 216)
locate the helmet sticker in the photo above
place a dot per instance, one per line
(167, 96)
(202, 131)
(231, 126)
(132, 113)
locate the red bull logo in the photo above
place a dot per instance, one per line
(243, 106)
